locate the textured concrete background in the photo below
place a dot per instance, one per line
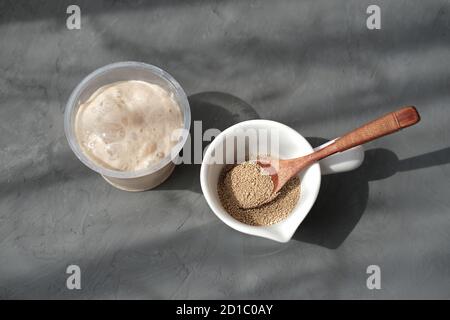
(310, 64)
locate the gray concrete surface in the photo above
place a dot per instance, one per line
(310, 64)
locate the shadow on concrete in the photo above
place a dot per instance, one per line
(343, 197)
(215, 110)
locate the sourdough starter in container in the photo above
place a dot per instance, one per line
(128, 121)
(128, 125)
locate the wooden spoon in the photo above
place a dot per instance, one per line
(282, 170)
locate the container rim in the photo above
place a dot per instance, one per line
(73, 101)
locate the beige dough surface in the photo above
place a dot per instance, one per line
(128, 125)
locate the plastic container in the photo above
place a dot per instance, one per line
(139, 180)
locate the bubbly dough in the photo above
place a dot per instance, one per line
(128, 125)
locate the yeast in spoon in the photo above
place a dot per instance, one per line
(234, 180)
(250, 185)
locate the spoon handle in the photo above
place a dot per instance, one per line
(387, 124)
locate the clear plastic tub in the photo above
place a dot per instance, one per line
(128, 180)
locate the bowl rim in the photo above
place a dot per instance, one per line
(72, 102)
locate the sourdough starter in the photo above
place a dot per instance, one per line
(128, 125)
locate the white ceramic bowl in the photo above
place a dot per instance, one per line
(291, 145)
